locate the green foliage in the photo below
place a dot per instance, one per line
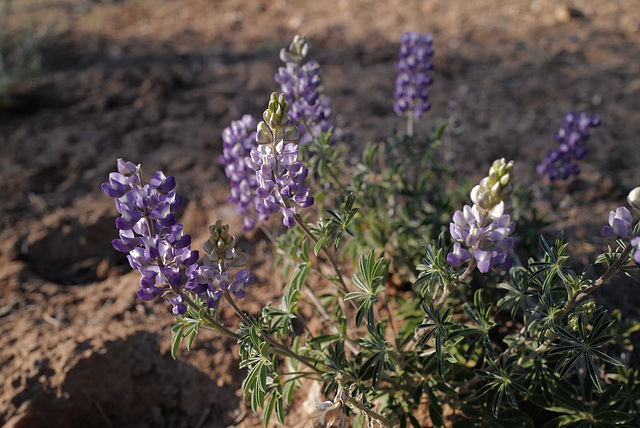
(187, 327)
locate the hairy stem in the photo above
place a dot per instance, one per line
(353, 403)
(448, 290)
(609, 273)
(211, 321)
(278, 347)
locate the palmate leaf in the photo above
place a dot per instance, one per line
(502, 382)
(437, 327)
(584, 346)
(380, 357)
(371, 275)
(575, 413)
(517, 291)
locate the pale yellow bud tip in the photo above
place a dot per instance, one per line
(634, 198)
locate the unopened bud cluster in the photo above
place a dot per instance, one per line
(485, 227)
(492, 196)
(584, 310)
(220, 257)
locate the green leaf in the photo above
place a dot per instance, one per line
(191, 332)
(497, 402)
(176, 337)
(304, 254)
(251, 378)
(262, 385)
(356, 295)
(288, 390)
(318, 246)
(437, 136)
(613, 416)
(368, 154)
(268, 410)
(280, 410)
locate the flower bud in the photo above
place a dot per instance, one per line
(264, 135)
(634, 198)
(298, 50)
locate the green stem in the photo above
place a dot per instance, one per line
(211, 321)
(447, 291)
(235, 307)
(609, 273)
(410, 124)
(281, 349)
(353, 403)
(330, 257)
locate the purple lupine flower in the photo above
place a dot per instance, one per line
(488, 245)
(458, 256)
(635, 243)
(304, 91)
(619, 224)
(148, 231)
(484, 228)
(561, 162)
(280, 180)
(238, 141)
(179, 308)
(159, 249)
(413, 67)
(279, 172)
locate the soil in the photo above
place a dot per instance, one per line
(156, 81)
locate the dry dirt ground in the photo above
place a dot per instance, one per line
(156, 81)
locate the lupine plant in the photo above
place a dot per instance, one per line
(561, 163)
(426, 314)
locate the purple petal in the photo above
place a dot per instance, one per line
(148, 294)
(483, 258)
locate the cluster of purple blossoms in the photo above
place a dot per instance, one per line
(238, 140)
(303, 88)
(279, 172)
(560, 163)
(157, 246)
(485, 228)
(620, 224)
(488, 245)
(414, 75)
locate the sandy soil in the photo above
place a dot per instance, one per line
(155, 82)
